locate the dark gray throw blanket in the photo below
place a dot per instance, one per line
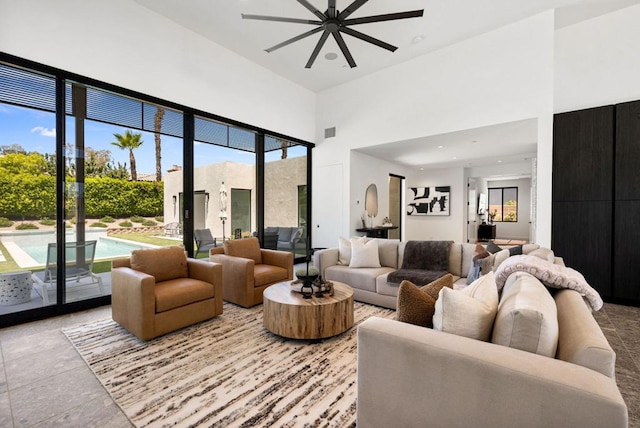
(423, 262)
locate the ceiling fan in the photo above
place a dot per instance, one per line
(333, 22)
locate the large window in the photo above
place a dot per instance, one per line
(503, 204)
(90, 172)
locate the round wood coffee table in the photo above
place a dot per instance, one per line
(288, 314)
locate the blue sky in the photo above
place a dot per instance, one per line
(35, 130)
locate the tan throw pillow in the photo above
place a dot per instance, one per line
(163, 263)
(468, 312)
(249, 248)
(364, 254)
(527, 317)
(416, 305)
(344, 249)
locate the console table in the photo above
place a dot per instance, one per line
(377, 232)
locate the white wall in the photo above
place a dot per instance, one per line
(123, 43)
(439, 227)
(597, 62)
(502, 76)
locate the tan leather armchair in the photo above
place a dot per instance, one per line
(159, 290)
(249, 270)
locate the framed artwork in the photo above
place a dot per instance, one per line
(429, 201)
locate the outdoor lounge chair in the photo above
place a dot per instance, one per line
(204, 241)
(78, 268)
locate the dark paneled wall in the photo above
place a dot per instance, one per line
(596, 196)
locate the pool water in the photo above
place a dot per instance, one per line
(105, 248)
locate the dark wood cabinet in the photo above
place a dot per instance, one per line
(486, 232)
(627, 162)
(583, 155)
(596, 197)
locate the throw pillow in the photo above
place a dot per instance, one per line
(527, 317)
(492, 247)
(416, 305)
(344, 249)
(468, 312)
(544, 253)
(479, 254)
(515, 251)
(364, 254)
(163, 263)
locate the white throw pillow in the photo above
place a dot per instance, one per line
(364, 254)
(344, 249)
(468, 312)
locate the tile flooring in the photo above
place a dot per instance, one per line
(45, 383)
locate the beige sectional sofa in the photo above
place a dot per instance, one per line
(411, 376)
(370, 284)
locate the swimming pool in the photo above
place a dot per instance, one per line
(29, 250)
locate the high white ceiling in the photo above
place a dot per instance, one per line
(445, 22)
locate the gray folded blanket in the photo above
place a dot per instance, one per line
(423, 262)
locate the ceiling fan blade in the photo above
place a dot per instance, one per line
(352, 8)
(344, 48)
(386, 17)
(331, 10)
(279, 19)
(312, 9)
(316, 51)
(294, 39)
(366, 38)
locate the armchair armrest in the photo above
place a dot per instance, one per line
(283, 259)
(448, 380)
(133, 301)
(238, 276)
(209, 272)
(322, 259)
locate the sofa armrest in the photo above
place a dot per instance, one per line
(322, 259)
(238, 276)
(412, 376)
(133, 301)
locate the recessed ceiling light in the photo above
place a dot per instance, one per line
(418, 39)
(499, 161)
(331, 56)
(421, 169)
(454, 157)
(474, 141)
(441, 147)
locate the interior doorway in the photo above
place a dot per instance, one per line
(396, 205)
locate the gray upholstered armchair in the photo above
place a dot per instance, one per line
(159, 290)
(249, 270)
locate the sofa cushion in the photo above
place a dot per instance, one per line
(284, 234)
(467, 258)
(249, 248)
(469, 312)
(416, 305)
(455, 259)
(581, 340)
(388, 252)
(364, 254)
(543, 253)
(175, 293)
(163, 263)
(527, 317)
(363, 278)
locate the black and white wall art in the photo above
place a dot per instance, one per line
(429, 201)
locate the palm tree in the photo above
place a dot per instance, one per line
(157, 125)
(129, 141)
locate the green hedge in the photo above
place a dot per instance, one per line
(33, 196)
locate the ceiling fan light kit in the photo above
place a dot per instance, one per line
(333, 22)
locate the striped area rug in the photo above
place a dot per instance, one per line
(226, 372)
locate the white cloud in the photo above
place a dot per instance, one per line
(45, 132)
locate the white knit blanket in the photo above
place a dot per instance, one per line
(550, 274)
